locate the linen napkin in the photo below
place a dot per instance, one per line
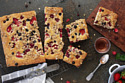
(38, 79)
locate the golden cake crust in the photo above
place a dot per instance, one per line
(13, 42)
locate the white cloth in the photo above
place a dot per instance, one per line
(38, 79)
(49, 80)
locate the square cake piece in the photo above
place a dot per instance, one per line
(21, 39)
(74, 56)
(53, 44)
(105, 18)
(77, 31)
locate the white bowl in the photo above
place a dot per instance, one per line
(119, 68)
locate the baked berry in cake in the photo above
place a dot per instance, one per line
(53, 33)
(21, 39)
(77, 30)
(74, 56)
(105, 18)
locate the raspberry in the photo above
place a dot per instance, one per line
(82, 31)
(68, 82)
(116, 30)
(67, 20)
(33, 19)
(114, 52)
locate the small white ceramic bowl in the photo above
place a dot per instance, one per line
(119, 68)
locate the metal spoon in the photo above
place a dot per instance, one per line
(103, 60)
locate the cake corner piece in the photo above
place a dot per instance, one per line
(21, 39)
(105, 18)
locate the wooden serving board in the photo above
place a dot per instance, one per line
(118, 6)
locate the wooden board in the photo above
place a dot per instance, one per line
(118, 6)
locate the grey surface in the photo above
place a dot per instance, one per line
(70, 11)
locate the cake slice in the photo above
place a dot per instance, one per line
(21, 39)
(74, 56)
(53, 33)
(106, 18)
(77, 31)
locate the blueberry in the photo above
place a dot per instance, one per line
(27, 19)
(60, 14)
(55, 41)
(34, 41)
(103, 23)
(31, 34)
(20, 38)
(102, 10)
(19, 34)
(47, 27)
(73, 62)
(38, 40)
(72, 36)
(75, 26)
(17, 31)
(80, 52)
(7, 19)
(29, 38)
(33, 31)
(12, 53)
(4, 21)
(16, 64)
(75, 33)
(27, 30)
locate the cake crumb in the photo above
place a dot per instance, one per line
(74, 81)
(79, 46)
(90, 9)
(26, 5)
(61, 78)
(84, 14)
(70, 17)
(38, 8)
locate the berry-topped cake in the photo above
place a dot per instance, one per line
(53, 33)
(77, 31)
(105, 18)
(21, 39)
(74, 56)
